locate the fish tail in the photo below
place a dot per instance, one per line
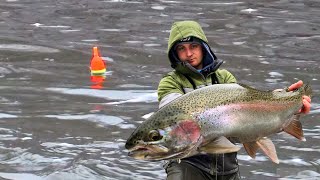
(307, 89)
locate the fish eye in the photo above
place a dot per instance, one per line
(154, 135)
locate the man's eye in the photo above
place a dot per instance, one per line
(181, 48)
(194, 46)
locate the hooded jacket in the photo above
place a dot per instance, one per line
(186, 78)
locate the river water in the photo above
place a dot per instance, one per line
(54, 124)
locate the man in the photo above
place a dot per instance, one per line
(196, 66)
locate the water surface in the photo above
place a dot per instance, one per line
(54, 125)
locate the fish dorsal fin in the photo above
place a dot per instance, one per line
(247, 86)
(294, 128)
(219, 146)
(252, 88)
(268, 148)
(251, 148)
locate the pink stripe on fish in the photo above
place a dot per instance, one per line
(186, 131)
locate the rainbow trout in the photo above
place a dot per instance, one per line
(204, 121)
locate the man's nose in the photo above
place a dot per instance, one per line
(189, 52)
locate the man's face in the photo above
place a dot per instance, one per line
(191, 53)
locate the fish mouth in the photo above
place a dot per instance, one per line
(148, 151)
(156, 151)
(148, 154)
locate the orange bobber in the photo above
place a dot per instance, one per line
(97, 65)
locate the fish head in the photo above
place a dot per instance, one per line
(171, 138)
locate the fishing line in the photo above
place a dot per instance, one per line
(217, 166)
(223, 166)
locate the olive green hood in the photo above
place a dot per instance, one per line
(184, 31)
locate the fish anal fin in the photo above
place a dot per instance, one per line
(219, 146)
(268, 148)
(294, 128)
(251, 148)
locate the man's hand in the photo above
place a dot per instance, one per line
(306, 100)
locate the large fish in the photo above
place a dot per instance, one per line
(204, 120)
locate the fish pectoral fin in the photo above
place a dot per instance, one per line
(251, 148)
(294, 128)
(219, 146)
(268, 148)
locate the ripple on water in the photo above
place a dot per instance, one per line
(114, 30)
(100, 119)
(304, 175)
(4, 115)
(256, 160)
(158, 7)
(20, 176)
(78, 172)
(300, 149)
(274, 80)
(21, 160)
(295, 162)
(70, 30)
(27, 48)
(275, 74)
(126, 95)
(152, 45)
(267, 174)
